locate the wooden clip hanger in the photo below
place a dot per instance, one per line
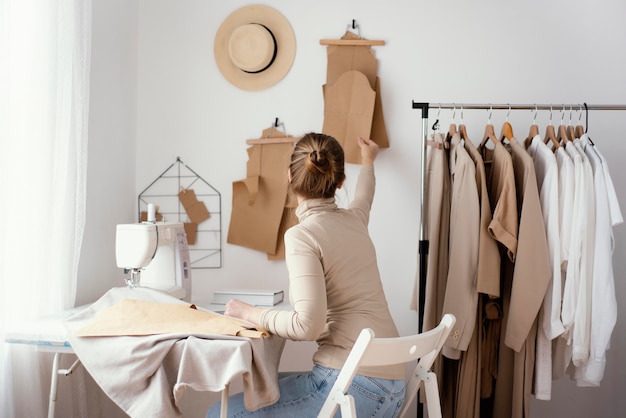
(272, 135)
(352, 39)
(274, 140)
(352, 42)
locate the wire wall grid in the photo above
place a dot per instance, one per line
(206, 252)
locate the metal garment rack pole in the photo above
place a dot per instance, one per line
(423, 246)
(507, 106)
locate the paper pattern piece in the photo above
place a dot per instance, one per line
(195, 209)
(259, 218)
(343, 59)
(133, 317)
(348, 112)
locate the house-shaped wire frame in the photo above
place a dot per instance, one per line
(206, 252)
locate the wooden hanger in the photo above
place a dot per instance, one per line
(463, 132)
(452, 130)
(463, 129)
(352, 39)
(551, 137)
(490, 134)
(275, 140)
(272, 135)
(571, 134)
(563, 136)
(507, 129)
(533, 132)
(352, 42)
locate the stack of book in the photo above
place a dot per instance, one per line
(257, 297)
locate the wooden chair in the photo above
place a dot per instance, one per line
(371, 351)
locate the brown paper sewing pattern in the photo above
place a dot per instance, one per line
(353, 108)
(259, 215)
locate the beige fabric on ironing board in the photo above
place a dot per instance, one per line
(139, 372)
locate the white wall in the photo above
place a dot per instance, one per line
(447, 51)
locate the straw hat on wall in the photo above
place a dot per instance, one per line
(254, 47)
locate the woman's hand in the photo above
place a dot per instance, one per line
(369, 150)
(243, 310)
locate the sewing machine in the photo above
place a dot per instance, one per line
(155, 255)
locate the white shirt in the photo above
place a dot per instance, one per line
(582, 321)
(572, 276)
(566, 202)
(550, 325)
(603, 303)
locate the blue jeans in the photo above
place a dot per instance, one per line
(302, 395)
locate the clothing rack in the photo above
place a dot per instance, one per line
(423, 246)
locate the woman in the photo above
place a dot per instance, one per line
(335, 288)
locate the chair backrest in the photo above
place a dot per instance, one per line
(371, 351)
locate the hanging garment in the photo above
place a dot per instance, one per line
(524, 287)
(603, 304)
(582, 320)
(503, 228)
(468, 387)
(577, 287)
(437, 218)
(549, 325)
(461, 297)
(488, 276)
(572, 238)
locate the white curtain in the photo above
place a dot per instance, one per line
(44, 101)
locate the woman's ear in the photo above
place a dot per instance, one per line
(289, 176)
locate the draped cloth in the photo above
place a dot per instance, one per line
(147, 373)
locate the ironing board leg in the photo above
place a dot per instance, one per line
(224, 406)
(53, 385)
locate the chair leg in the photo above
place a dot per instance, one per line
(348, 408)
(432, 396)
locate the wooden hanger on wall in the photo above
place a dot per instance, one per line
(272, 135)
(352, 42)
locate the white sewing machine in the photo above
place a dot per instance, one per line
(155, 255)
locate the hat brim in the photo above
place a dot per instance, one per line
(285, 47)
